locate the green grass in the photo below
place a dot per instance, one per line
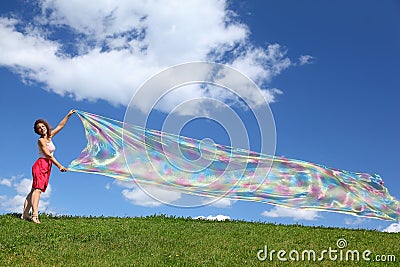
(168, 241)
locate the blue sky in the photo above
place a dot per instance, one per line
(329, 69)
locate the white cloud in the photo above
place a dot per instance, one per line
(153, 197)
(253, 62)
(22, 186)
(218, 202)
(305, 59)
(213, 218)
(393, 228)
(297, 214)
(117, 45)
(12, 204)
(355, 221)
(6, 182)
(126, 184)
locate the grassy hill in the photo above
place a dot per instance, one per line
(168, 241)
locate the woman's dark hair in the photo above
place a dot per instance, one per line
(45, 124)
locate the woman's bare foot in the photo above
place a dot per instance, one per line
(35, 219)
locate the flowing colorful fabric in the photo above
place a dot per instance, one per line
(150, 157)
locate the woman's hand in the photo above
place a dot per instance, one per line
(62, 168)
(72, 111)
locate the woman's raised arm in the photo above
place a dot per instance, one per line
(62, 123)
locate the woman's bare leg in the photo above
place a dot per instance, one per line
(27, 205)
(35, 205)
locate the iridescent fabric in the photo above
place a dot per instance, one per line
(150, 157)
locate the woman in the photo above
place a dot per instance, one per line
(42, 167)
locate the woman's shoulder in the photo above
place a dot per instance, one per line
(44, 140)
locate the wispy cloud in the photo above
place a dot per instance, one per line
(355, 221)
(297, 214)
(6, 182)
(218, 202)
(111, 48)
(305, 59)
(150, 196)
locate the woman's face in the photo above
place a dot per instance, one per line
(42, 128)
